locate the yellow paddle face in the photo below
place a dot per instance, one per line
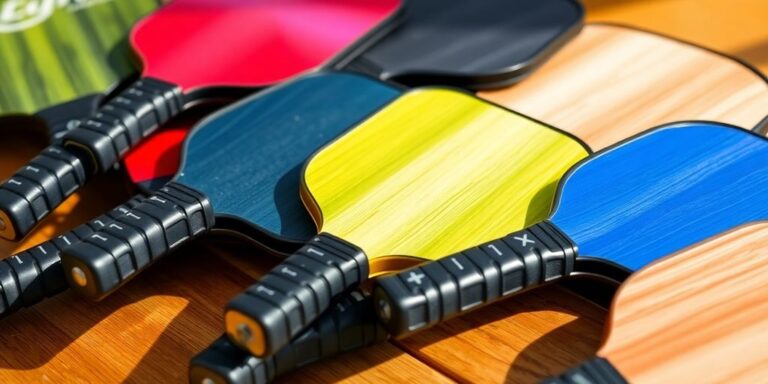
(610, 83)
(697, 316)
(433, 173)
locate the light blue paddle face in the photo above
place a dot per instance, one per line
(663, 191)
(248, 158)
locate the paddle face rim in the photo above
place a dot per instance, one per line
(600, 266)
(319, 187)
(163, 58)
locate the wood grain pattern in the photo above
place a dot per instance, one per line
(424, 176)
(697, 316)
(611, 82)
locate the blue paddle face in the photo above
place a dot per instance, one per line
(663, 191)
(248, 158)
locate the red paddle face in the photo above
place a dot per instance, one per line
(250, 43)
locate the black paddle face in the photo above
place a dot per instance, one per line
(471, 44)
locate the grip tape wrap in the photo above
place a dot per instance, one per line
(423, 296)
(290, 297)
(348, 325)
(108, 258)
(33, 275)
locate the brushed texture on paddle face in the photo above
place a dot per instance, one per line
(509, 37)
(663, 191)
(200, 43)
(247, 158)
(53, 51)
(425, 176)
(611, 82)
(696, 316)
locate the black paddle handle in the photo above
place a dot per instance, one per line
(290, 297)
(350, 324)
(105, 260)
(123, 122)
(33, 275)
(423, 296)
(594, 371)
(93, 146)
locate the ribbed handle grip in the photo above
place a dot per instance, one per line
(33, 275)
(124, 121)
(108, 258)
(349, 325)
(61, 118)
(426, 295)
(594, 371)
(291, 296)
(37, 189)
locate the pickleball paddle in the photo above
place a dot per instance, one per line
(190, 49)
(618, 211)
(411, 183)
(696, 316)
(611, 82)
(497, 48)
(245, 160)
(60, 58)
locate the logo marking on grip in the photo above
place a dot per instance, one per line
(132, 215)
(287, 271)
(414, 277)
(458, 265)
(13, 181)
(493, 248)
(33, 169)
(65, 239)
(266, 290)
(315, 251)
(40, 247)
(155, 198)
(524, 240)
(99, 222)
(97, 236)
(116, 226)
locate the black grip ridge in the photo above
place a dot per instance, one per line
(594, 371)
(123, 122)
(105, 260)
(63, 117)
(348, 325)
(33, 275)
(37, 189)
(423, 296)
(289, 298)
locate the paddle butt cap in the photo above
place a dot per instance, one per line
(108, 258)
(426, 295)
(290, 297)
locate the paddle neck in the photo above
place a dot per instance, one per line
(423, 296)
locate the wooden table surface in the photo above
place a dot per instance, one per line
(148, 331)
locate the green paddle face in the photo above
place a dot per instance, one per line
(53, 51)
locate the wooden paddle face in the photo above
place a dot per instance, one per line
(612, 82)
(52, 51)
(423, 177)
(664, 191)
(697, 316)
(247, 158)
(499, 41)
(204, 43)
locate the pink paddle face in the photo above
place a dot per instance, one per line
(250, 43)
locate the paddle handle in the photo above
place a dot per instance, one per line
(30, 276)
(348, 325)
(123, 122)
(594, 371)
(423, 296)
(105, 260)
(93, 146)
(289, 298)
